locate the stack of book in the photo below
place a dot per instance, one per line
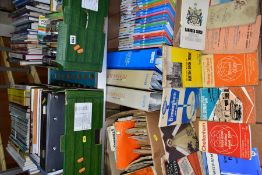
(208, 76)
(19, 141)
(50, 34)
(134, 78)
(50, 38)
(25, 46)
(127, 24)
(146, 24)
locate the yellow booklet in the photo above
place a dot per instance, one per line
(181, 67)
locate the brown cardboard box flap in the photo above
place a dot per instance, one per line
(155, 139)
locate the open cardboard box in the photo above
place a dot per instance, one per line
(154, 137)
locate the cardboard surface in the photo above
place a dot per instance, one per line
(258, 103)
(155, 140)
(256, 131)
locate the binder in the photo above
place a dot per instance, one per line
(138, 79)
(137, 99)
(51, 155)
(143, 59)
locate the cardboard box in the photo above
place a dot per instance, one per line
(154, 137)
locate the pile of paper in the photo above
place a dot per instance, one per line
(129, 141)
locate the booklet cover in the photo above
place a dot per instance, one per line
(228, 14)
(179, 141)
(179, 105)
(181, 67)
(236, 39)
(233, 104)
(221, 70)
(193, 24)
(225, 165)
(230, 139)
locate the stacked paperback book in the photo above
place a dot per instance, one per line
(26, 49)
(146, 24)
(209, 75)
(19, 142)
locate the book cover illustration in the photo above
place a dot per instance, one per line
(179, 106)
(234, 104)
(230, 139)
(193, 24)
(181, 67)
(179, 141)
(229, 70)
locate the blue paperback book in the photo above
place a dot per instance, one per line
(236, 166)
(157, 9)
(179, 106)
(155, 18)
(225, 165)
(140, 59)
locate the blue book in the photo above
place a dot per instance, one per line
(179, 106)
(154, 29)
(225, 165)
(156, 18)
(236, 166)
(152, 41)
(157, 9)
(140, 59)
(75, 78)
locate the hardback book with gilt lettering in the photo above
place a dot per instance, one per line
(229, 139)
(179, 106)
(233, 104)
(219, 70)
(181, 68)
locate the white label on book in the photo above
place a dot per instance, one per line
(90, 4)
(112, 137)
(82, 116)
(185, 166)
(72, 39)
(213, 164)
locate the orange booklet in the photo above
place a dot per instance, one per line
(236, 39)
(124, 145)
(229, 70)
